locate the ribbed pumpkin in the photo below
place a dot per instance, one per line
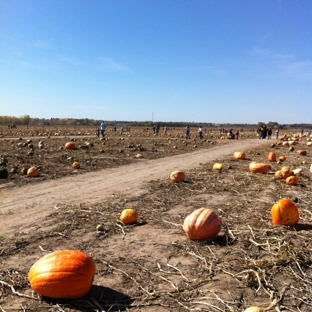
(255, 167)
(76, 165)
(177, 176)
(284, 212)
(129, 216)
(202, 224)
(62, 274)
(70, 145)
(272, 157)
(239, 155)
(33, 172)
(291, 180)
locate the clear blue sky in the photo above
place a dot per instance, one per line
(220, 61)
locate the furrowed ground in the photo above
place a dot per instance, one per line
(152, 265)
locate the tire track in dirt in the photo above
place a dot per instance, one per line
(21, 208)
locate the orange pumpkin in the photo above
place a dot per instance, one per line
(239, 155)
(202, 224)
(284, 173)
(129, 216)
(255, 167)
(76, 165)
(284, 212)
(62, 274)
(272, 157)
(70, 145)
(282, 158)
(33, 172)
(177, 176)
(302, 152)
(291, 180)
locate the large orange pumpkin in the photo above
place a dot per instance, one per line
(70, 145)
(62, 274)
(33, 172)
(177, 176)
(272, 157)
(129, 216)
(239, 155)
(255, 167)
(284, 212)
(202, 224)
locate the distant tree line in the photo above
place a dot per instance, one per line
(26, 120)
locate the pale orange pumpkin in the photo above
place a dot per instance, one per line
(282, 158)
(62, 274)
(239, 155)
(70, 145)
(33, 172)
(283, 173)
(291, 180)
(202, 224)
(255, 167)
(129, 216)
(272, 157)
(177, 176)
(284, 212)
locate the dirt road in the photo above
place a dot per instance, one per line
(22, 207)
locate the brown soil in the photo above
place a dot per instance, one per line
(152, 265)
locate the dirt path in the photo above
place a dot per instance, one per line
(21, 207)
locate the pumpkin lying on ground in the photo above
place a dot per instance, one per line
(217, 167)
(282, 158)
(272, 157)
(284, 212)
(33, 172)
(255, 167)
(76, 165)
(70, 145)
(202, 224)
(129, 216)
(62, 274)
(177, 176)
(284, 173)
(239, 155)
(291, 180)
(302, 152)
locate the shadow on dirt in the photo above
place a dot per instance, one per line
(99, 297)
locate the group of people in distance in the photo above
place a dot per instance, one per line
(266, 132)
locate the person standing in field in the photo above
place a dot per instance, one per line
(102, 127)
(200, 132)
(187, 132)
(276, 134)
(98, 131)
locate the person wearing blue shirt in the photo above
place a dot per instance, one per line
(102, 127)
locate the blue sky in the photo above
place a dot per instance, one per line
(220, 61)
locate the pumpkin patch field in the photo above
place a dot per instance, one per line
(197, 225)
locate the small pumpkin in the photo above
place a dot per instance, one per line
(177, 176)
(282, 158)
(255, 167)
(284, 212)
(70, 145)
(217, 167)
(129, 216)
(76, 165)
(62, 274)
(302, 152)
(202, 224)
(291, 180)
(33, 172)
(254, 309)
(239, 155)
(139, 156)
(272, 157)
